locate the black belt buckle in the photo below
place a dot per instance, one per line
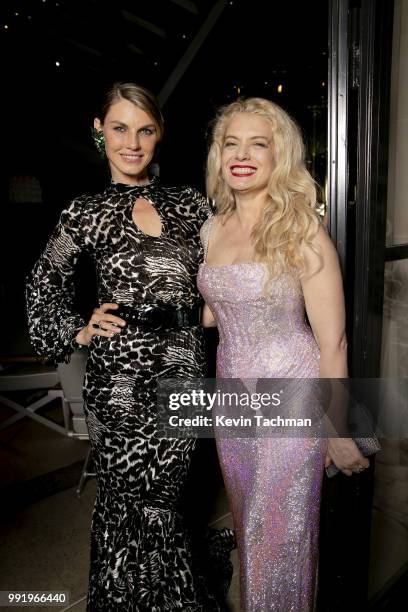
(160, 317)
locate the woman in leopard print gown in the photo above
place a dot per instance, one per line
(141, 559)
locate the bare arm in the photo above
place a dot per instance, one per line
(324, 301)
(207, 319)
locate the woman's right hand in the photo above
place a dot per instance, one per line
(102, 323)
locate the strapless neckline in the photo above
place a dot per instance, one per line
(232, 265)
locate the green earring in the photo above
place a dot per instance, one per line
(99, 141)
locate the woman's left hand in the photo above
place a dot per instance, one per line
(345, 454)
(102, 323)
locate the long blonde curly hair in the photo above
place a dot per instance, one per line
(289, 218)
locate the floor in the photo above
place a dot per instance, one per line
(44, 529)
(389, 543)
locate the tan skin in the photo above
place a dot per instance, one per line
(130, 141)
(247, 160)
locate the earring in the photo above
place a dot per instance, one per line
(99, 141)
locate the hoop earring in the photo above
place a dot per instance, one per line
(99, 141)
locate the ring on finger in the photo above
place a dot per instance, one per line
(359, 469)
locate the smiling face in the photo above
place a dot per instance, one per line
(247, 154)
(130, 141)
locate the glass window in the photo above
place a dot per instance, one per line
(397, 206)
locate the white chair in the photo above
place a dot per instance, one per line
(40, 379)
(71, 376)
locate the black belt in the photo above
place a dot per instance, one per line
(159, 317)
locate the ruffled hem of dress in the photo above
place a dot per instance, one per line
(144, 563)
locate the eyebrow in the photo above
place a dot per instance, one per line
(150, 126)
(252, 137)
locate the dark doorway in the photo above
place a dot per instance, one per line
(363, 560)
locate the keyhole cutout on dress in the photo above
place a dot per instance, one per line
(146, 218)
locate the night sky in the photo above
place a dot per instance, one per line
(61, 54)
(58, 56)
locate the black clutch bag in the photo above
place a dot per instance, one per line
(360, 421)
(367, 447)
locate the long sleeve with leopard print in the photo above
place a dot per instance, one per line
(53, 322)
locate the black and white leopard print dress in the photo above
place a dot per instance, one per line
(140, 557)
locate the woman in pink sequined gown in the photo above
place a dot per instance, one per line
(267, 258)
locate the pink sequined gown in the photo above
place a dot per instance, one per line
(273, 484)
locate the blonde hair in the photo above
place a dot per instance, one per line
(289, 218)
